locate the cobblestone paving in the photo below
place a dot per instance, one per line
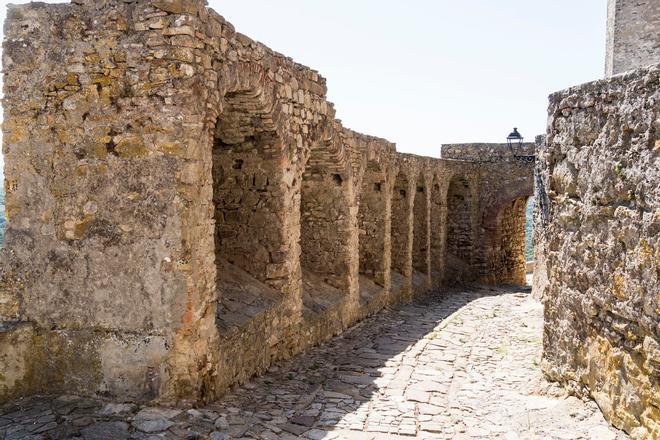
(461, 365)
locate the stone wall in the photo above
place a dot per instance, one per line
(184, 209)
(633, 29)
(597, 227)
(483, 152)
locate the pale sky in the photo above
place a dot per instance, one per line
(426, 72)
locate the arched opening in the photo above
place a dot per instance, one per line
(507, 256)
(401, 232)
(372, 222)
(438, 223)
(529, 235)
(421, 240)
(325, 230)
(248, 197)
(460, 231)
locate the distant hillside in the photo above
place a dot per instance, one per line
(2, 215)
(529, 246)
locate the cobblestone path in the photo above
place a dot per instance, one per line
(459, 365)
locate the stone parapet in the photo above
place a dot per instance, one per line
(485, 152)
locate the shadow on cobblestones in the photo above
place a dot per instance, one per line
(401, 373)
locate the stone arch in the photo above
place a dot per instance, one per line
(438, 227)
(250, 193)
(327, 228)
(247, 187)
(401, 229)
(460, 229)
(372, 224)
(504, 230)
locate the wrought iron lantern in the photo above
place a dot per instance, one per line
(515, 142)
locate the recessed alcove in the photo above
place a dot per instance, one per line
(372, 224)
(248, 202)
(460, 233)
(401, 232)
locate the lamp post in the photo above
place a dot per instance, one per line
(515, 141)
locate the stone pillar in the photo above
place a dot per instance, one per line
(110, 220)
(438, 228)
(421, 228)
(403, 196)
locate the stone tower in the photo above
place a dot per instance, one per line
(633, 35)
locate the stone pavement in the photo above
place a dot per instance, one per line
(460, 365)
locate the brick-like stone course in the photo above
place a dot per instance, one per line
(598, 249)
(184, 209)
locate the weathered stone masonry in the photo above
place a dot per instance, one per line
(597, 226)
(632, 35)
(184, 209)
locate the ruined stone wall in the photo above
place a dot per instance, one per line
(184, 210)
(597, 225)
(633, 35)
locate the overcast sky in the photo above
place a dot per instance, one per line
(426, 72)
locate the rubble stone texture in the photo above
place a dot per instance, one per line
(597, 227)
(632, 35)
(184, 209)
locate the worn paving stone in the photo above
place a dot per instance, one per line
(458, 365)
(109, 430)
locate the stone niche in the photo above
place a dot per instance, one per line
(184, 209)
(597, 230)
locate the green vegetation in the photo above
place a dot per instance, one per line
(529, 245)
(2, 215)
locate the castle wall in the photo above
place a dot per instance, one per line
(633, 35)
(95, 255)
(596, 228)
(184, 210)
